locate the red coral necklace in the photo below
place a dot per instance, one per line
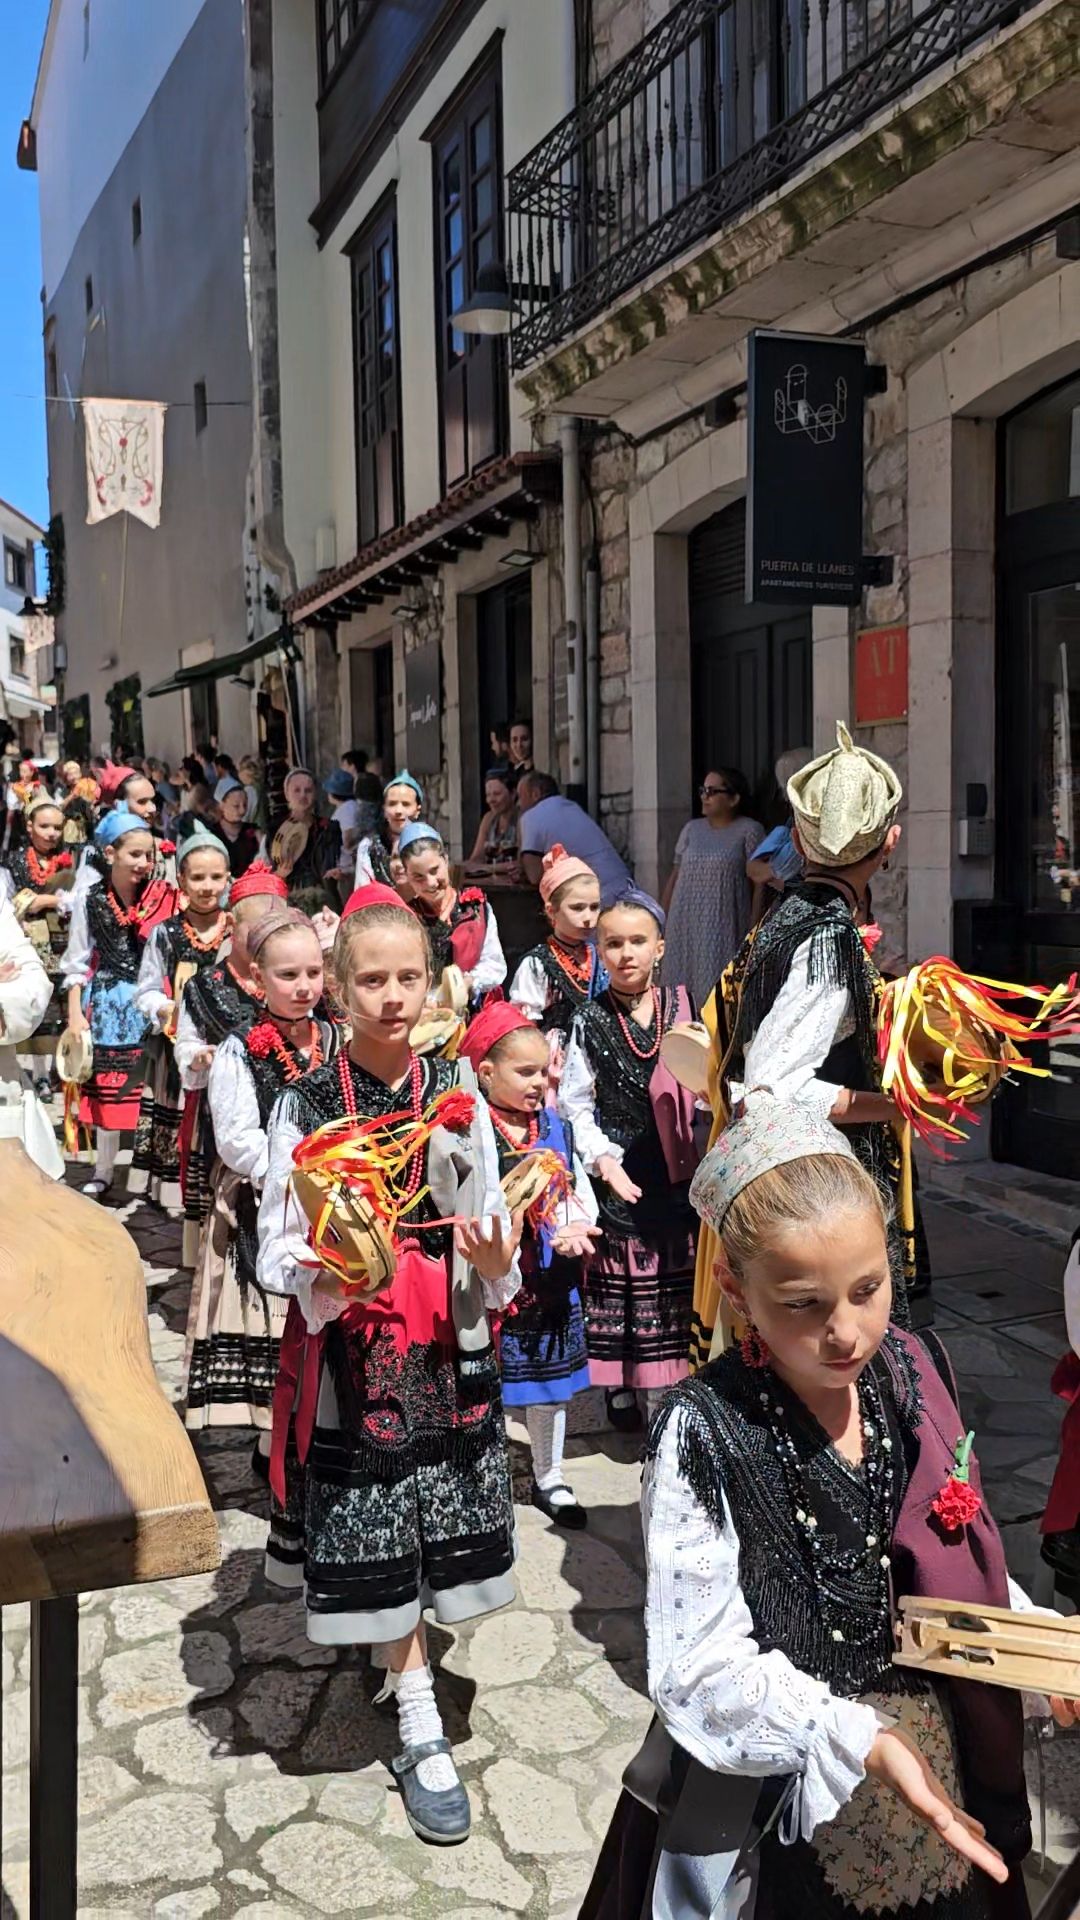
(209, 941)
(579, 971)
(266, 1038)
(641, 1053)
(132, 916)
(42, 871)
(532, 1131)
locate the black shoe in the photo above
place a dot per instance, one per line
(443, 1818)
(626, 1418)
(260, 1464)
(44, 1089)
(564, 1513)
(1062, 1552)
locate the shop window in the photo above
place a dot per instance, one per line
(467, 155)
(1042, 451)
(377, 377)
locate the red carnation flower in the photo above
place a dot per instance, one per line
(472, 897)
(456, 1110)
(958, 1503)
(167, 846)
(63, 859)
(260, 1039)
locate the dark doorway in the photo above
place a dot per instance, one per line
(1037, 1122)
(750, 666)
(503, 659)
(371, 702)
(204, 711)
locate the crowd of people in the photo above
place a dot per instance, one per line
(419, 1188)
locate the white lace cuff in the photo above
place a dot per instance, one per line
(836, 1760)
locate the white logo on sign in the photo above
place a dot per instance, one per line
(793, 412)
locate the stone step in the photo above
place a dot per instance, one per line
(1032, 1199)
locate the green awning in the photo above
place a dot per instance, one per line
(221, 664)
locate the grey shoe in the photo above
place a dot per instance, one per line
(443, 1818)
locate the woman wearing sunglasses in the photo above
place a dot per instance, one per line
(708, 896)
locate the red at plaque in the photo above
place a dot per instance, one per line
(881, 675)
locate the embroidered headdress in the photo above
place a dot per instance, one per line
(259, 878)
(844, 803)
(767, 1134)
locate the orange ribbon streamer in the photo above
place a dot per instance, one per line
(946, 1039)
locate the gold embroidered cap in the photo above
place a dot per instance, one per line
(767, 1133)
(844, 803)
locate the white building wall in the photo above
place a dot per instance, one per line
(314, 292)
(102, 62)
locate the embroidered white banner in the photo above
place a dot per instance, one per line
(125, 446)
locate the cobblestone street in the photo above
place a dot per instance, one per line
(229, 1768)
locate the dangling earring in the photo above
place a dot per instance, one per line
(753, 1348)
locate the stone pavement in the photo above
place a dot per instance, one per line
(229, 1768)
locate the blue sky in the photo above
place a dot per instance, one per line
(22, 420)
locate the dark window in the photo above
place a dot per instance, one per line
(200, 406)
(467, 149)
(338, 23)
(136, 222)
(17, 656)
(88, 292)
(376, 377)
(16, 572)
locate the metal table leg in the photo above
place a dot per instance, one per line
(54, 1757)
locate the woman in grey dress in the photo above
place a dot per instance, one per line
(707, 896)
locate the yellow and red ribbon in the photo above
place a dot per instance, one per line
(976, 1027)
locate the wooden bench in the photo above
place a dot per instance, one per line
(99, 1486)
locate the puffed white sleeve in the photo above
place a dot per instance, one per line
(187, 1044)
(24, 999)
(151, 989)
(239, 1134)
(496, 1294)
(530, 988)
(490, 969)
(577, 1105)
(732, 1707)
(798, 1031)
(364, 875)
(7, 884)
(285, 1261)
(75, 965)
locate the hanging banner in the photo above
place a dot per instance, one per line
(125, 445)
(804, 523)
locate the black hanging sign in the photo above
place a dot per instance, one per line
(804, 523)
(423, 708)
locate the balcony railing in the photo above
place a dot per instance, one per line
(718, 105)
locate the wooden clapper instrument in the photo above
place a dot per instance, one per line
(1037, 1652)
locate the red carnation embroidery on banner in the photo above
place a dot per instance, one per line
(957, 1503)
(455, 1110)
(109, 1081)
(261, 1040)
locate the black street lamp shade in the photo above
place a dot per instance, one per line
(490, 307)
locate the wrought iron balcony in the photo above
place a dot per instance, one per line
(717, 106)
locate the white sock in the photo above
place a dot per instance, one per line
(621, 1397)
(107, 1146)
(419, 1720)
(266, 1441)
(547, 1433)
(654, 1397)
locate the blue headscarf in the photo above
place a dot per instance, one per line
(404, 779)
(118, 821)
(637, 897)
(415, 830)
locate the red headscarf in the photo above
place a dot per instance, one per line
(259, 878)
(375, 894)
(492, 1023)
(112, 779)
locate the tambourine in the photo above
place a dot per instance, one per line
(945, 1031)
(185, 971)
(74, 1057)
(684, 1051)
(289, 842)
(452, 991)
(438, 1030)
(526, 1182)
(350, 1229)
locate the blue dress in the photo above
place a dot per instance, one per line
(542, 1352)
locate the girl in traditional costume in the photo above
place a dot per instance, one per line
(196, 937)
(565, 971)
(234, 1327)
(24, 998)
(461, 927)
(109, 926)
(791, 1489)
(377, 854)
(217, 1001)
(391, 1398)
(34, 878)
(634, 1128)
(796, 1014)
(542, 1355)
